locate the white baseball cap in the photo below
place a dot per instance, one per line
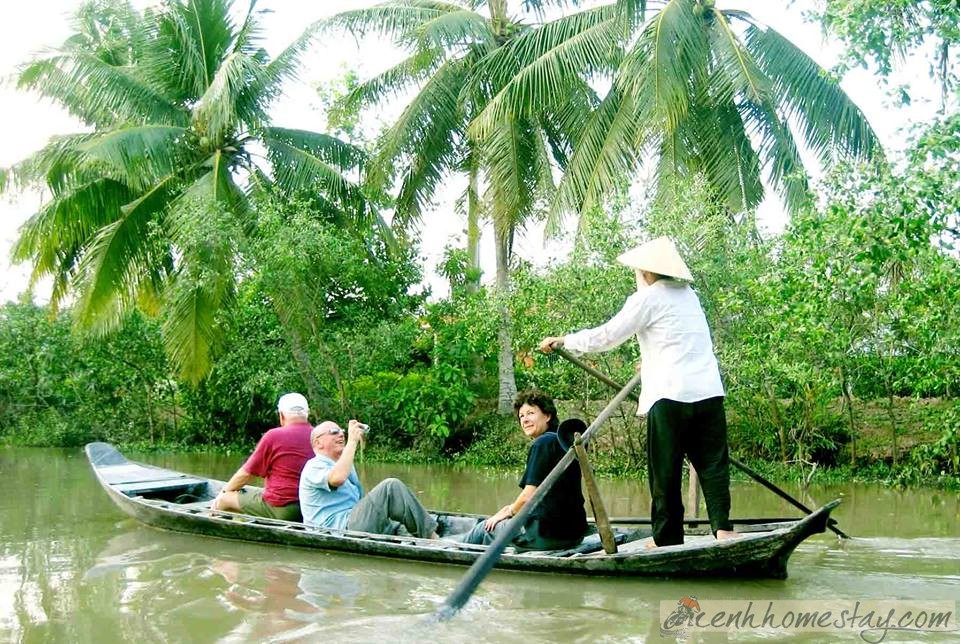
(293, 403)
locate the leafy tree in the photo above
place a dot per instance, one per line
(59, 388)
(327, 287)
(691, 83)
(452, 49)
(885, 32)
(150, 207)
(694, 89)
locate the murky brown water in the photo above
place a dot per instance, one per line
(73, 568)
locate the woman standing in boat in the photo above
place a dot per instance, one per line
(681, 392)
(559, 521)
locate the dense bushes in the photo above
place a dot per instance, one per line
(824, 335)
(60, 388)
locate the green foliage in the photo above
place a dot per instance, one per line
(60, 389)
(498, 443)
(942, 457)
(460, 61)
(145, 211)
(703, 90)
(885, 32)
(417, 409)
(326, 286)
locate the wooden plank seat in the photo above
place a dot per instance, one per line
(135, 473)
(133, 488)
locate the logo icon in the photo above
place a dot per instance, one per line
(681, 617)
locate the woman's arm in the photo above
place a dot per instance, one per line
(508, 511)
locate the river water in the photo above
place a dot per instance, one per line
(73, 568)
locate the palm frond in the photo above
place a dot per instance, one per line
(514, 155)
(668, 60)
(54, 238)
(411, 71)
(564, 124)
(537, 69)
(189, 326)
(228, 101)
(542, 169)
(735, 71)
(307, 161)
(217, 189)
(337, 152)
(201, 33)
(828, 117)
(538, 7)
(428, 137)
(285, 66)
(399, 19)
(455, 29)
(57, 163)
(632, 14)
(725, 156)
(96, 92)
(249, 35)
(675, 162)
(111, 31)
(783, 164)
(606, 154)
(141, 154)
(110, 268)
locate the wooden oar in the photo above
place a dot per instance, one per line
(484, 564)
(733, 461)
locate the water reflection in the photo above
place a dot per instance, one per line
(73, 569)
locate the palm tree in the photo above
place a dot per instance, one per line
(694, 89)
(509, 171)
(150, 208)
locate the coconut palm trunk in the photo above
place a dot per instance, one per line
(474, 208)
(505, 372)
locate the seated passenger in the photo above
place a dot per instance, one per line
(278, 458)
(331, 495)
(559, 521)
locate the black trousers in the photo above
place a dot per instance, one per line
(698, 431)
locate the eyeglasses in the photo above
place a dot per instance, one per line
(334, 431)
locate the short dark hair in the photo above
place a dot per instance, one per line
(537, 398)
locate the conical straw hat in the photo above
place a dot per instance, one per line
(659, 256)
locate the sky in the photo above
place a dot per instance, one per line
(27, 123)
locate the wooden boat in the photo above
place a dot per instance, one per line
(181, 502)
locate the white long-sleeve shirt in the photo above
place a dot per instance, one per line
(677, 359)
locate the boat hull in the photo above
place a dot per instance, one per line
(165, 499)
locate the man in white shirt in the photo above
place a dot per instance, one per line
(681, 392)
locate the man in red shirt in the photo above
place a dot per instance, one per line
(278, 459)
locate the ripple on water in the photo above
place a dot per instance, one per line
(482, 623)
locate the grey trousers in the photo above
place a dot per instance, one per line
(391, 501)
(528, 539)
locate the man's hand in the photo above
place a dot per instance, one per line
(550, 343)
(355, 431)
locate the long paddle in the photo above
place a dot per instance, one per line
(733, 461)
(485, 563)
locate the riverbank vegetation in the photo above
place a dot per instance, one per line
(193, 285)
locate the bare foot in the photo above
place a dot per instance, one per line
(434, 536)
(727, 534)
(651, 545)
